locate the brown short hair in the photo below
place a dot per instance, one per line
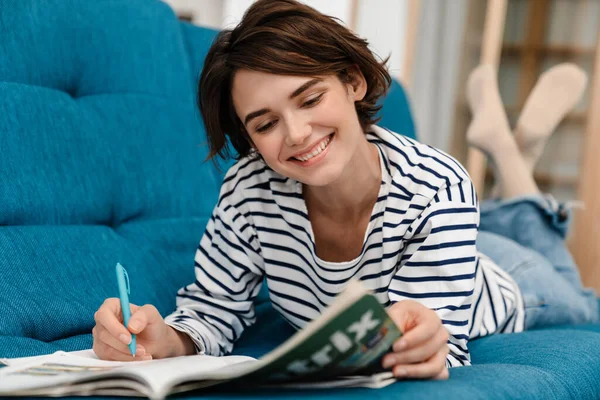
(282, 37)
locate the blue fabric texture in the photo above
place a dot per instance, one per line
(101, 162)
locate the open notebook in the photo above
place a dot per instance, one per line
(342, 348)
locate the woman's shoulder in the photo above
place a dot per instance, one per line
(419, 166)
(247, 173)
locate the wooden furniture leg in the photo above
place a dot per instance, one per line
(585, 241)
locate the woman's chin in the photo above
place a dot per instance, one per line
(324, 178)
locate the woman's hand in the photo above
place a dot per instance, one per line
(421, 351)
(154, 338)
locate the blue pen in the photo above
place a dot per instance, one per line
(124, 290)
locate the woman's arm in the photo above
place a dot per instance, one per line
(438, 266)
(218, 306)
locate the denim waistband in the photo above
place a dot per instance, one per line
(559, 214)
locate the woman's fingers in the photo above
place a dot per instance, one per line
(100, 333)
(110, 317)
(111, 338)
(142, 317)
(427, 326)
(422, 351)
(107, 347)
(432, 368)
(442, 376)
(105, 352)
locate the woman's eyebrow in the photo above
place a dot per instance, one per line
(255, 114)
(304, 87)
(296, 93)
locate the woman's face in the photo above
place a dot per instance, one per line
(305, 128)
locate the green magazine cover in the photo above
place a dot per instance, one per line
(353, 340)
(343, 347)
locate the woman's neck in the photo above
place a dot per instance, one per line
(354, 193)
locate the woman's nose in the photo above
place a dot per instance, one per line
(297, 132)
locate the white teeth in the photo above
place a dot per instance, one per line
(316, 151)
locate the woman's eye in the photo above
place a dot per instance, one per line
(313, 101)
(265, 127)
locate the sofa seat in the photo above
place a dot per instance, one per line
(102, 161)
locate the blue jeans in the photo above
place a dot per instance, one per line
(526, 237)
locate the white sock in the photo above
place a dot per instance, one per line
(484, 73)
(556, 92)
(490, 132)
(489, 125)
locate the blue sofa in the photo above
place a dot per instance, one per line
(102, 161)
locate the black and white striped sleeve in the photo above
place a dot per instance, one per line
(438, 264)
(218, 306)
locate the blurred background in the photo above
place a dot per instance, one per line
(433, 45)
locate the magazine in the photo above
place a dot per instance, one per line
(341, 348)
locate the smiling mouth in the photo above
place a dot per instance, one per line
(318, 149)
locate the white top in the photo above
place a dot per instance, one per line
(419, 245)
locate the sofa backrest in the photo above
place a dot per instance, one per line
(101, 161)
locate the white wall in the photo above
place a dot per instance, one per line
(435, 71)
(384, 23)
(381, 22)
(233, 10)
(204, 12)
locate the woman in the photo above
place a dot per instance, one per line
(321, 195)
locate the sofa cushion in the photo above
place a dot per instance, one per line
(102, 162)
(558, 363)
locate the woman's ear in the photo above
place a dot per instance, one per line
(249, 139)
(357, 83)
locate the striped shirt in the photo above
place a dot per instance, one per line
(419, 245)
